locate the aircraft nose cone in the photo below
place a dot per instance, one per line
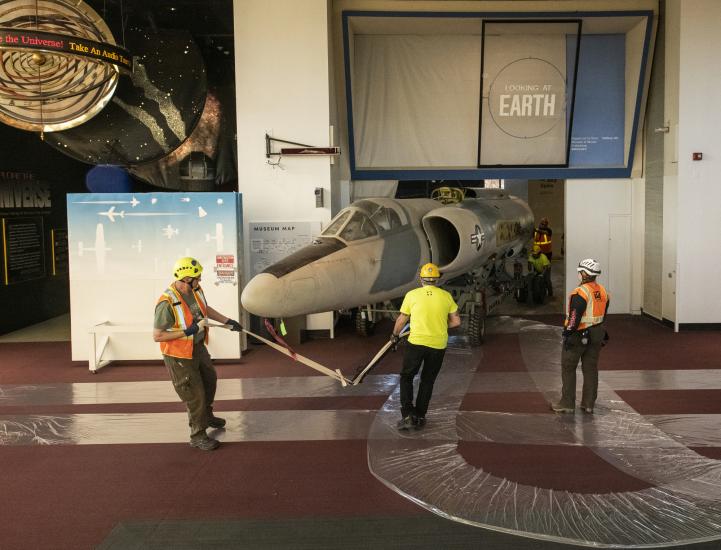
(263, 296)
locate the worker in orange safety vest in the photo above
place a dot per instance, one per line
(543, 237)
(584, 335)
(180, 326)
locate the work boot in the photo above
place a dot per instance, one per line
(560, 408)
(587, 410)
(420, 422)
(406, 423)
(216, 421)
(205, 443)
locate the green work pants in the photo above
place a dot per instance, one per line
(195, 381)
(573, 352)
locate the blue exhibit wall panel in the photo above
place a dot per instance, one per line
(597, 138)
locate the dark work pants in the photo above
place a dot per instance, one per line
(195, 381)
(588, 355)
(414, 357)
(547, 280)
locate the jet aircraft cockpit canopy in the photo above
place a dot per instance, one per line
(361, 220)
(383, 217)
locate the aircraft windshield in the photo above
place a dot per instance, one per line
(358, 227)
(385, 218)
(336, 224)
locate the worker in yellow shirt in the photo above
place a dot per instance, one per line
(539, 263)
(432, 312)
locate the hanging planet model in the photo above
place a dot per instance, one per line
(59, 64)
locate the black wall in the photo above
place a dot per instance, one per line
(24, 158)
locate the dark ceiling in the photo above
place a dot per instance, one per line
(209, 21)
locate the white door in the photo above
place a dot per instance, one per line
(618, 274)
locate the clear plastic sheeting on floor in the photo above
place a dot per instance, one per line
(683, 506)
(619, 380)
(136, 428)
(692, 430)
(88, 393)
(505, 324)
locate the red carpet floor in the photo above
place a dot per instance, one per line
(71, 497)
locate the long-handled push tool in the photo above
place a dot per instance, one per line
(336, 374)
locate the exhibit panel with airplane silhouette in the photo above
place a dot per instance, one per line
(122, 248)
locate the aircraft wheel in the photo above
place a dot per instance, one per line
(476, 328)
(363, 326)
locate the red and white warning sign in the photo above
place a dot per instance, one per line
(225, 269)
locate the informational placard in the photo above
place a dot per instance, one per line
(23, 249)
(598, 134)
(59, 243)
(270, 242)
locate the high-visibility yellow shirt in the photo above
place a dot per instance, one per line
(540, 263)
(428, 308)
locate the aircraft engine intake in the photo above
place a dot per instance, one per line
(465, 236)
(444, 239)
(457, 240)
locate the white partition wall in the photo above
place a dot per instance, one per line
(283, 89)
(698, 194)
(122, 249)
(604, 221)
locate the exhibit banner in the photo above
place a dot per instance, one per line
(524, 115)
(122, 248)
(25, 210)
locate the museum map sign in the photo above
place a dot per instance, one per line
(270, 242)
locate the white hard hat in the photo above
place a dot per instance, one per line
(590, 267)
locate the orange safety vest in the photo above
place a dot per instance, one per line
(182, 347)
(542, 239)
(596, 300)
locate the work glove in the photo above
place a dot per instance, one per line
(234, 325)
(606, 338)
(394, 342)
(192, 329)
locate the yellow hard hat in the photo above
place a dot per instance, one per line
(430, 271)
(187, 267)
(536, 248)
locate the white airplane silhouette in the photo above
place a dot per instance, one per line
(218, 237)
(133, 202)
(169, 231)
(111, 213)
(100, 249)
